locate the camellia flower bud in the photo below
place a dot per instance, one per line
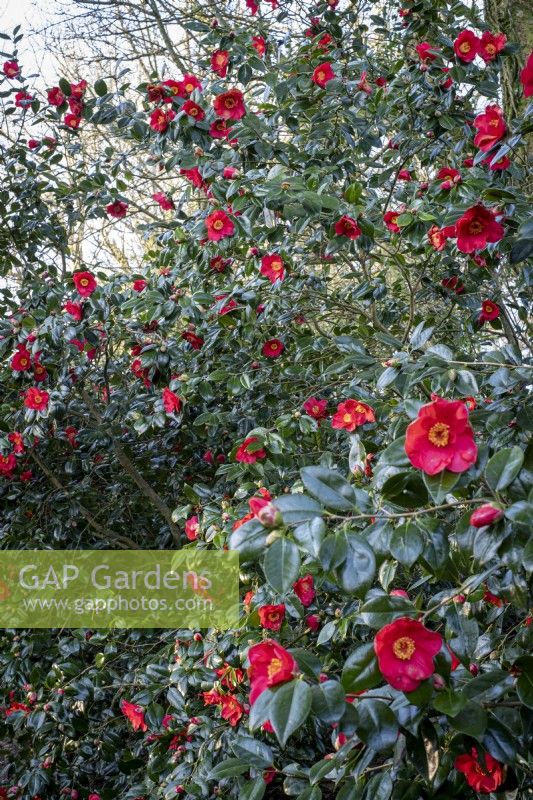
(438, 681)
(265, 511)
(485, 515)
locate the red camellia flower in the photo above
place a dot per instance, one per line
(489, 311)
(304, 589)
(482, 777)
(390, 218)
(219, 62)
(33, 144)
(72, 121)
(219, 226)
(313, 622)
(230, 105)
(118, 209)
(526, 76)
(193, 110)
(77, 90)
(272, 267)
(260, 46)
(316, 408)
(437, 238)
(74, 309)
(23, 99)
(346, 226)
(426, 51)
(55, 96)
(247, 456)
(219, 264)
(453, 284)
(232, 710)
(363, 84)
(466, 46)
(11, 69)
(273, 348)
(193, 175)
(135, 714)
(21, 361)
(491, 128)
(270, 665)
(503, 163)
(139, 285)
(405, 175)
(36, 399)
(271, 617)
(7, 464)
(17, 441)
(491, 44)
(405, 650)
(166, 203)
(441, 438)
(190, 83)
(351, 414)
(322, 74)
(195, 341)
(192, 526)
(85, 283)
(476, 227)
(485, 515)
(39, 372)
(160, 119)
(266, 512)
(449, 176)
(171, 401)
(219, 129)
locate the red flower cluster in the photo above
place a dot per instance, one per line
(441, 438)
(75, 102)
(467, 45)
(351, 414)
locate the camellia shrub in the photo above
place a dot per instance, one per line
(320, 359)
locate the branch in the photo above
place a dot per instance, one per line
(100, 531)
(134, 473)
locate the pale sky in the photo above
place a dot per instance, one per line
(29, 14)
